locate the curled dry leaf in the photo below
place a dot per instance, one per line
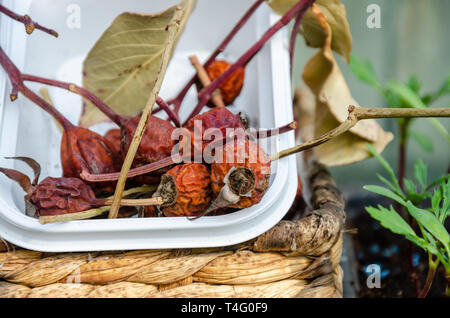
(312, 31)
(123, 66)
(332, 98)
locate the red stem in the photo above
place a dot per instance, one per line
(17, 85)
(172, 115)
(85, 175)
(118, 119)
(294, 35)
(108, 111)
(205, 94)
(180, 97)
(30, 25)
(428, 282)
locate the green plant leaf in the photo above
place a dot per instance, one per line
(410, 186)
(422, 140)
(442, 91)
(414, 84)
(386, 167)
(122, 67)
(385, 192)
(410, 99)
(365, 71)
(391, 220)
(431, 223)
(420, 172)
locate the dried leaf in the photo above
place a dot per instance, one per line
(124, 64)
(325, 79)
(312, 30)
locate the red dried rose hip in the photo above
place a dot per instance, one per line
(54, 196)
(187, 190)
(232, 86)
(242, 154)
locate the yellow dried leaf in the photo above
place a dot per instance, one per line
(122, 67)
(332, 98)
(312, 31)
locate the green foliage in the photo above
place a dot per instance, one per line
(429, 207)
(404, 95)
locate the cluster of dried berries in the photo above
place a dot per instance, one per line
(237, 178)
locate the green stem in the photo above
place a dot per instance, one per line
(432, 266)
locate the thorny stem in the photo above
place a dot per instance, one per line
(294, 35)
(18, 85)
(432, 266)
(360, 113)
(180, 97)
(29, 24)
(205, 94)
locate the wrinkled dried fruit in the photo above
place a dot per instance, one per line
(216, 118)
(85, 150)
(242, 154)
(156, 142)
(54, 196)
(231, 88)
(185, 189)
(113, 138)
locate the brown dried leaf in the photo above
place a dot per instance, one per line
(312, 31)
(325, 79)
(122, 67)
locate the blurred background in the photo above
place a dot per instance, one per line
(413, 40)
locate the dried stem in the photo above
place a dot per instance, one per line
(85, 175)
(29, 24)
(131, 202)
(360, 113)
(205, 94)
(73, 216)
(216, 96)
(172, 30)
(180, 97)
(17, 83)
(261, 133)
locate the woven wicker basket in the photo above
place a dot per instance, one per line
(293, 259)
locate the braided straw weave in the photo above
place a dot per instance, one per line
(293, 259)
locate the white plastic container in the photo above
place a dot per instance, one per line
(28, 131)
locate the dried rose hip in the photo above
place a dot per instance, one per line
(156, 142)
(58, 196)
(53, 196)
(232, 86)
(185, 190)
(245, 168)
(85, 150)
(216, 118)
(113, 138)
